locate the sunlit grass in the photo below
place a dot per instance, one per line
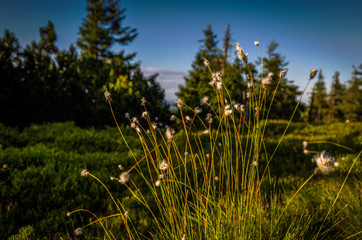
(213, 178)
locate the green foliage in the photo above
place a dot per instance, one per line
(352, 100)
(24, 233)
(41, 180)
(48, 38)
(103, 28)
(335, 104)
(318, 103)
(197, 84)
(343, 103)
(285, 98)
(41, 84)
(40, 175)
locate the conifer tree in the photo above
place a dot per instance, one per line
(197, 82)
(48, 38)
(352, 100)
(103, 28)
(227, 46)
(319, 98)
(311, 108)
(285, 98)
(335, 98)
(9, 77)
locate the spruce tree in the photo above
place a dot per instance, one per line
(103, 28)
(103, 69)
(320, 98)
(352, 100)
(10, 78)
(285, 98)
(48, 38)
(335, 98)
(197, 83)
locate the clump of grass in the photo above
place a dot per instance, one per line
(212, 185)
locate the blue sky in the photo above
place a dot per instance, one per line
(318, 34)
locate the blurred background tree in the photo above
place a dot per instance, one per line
(335, 105)
(286, 95)
(197, 83)
(42, 84)
(352, 100)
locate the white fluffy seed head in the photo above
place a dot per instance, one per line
(238, 48)
(179, 102)
(169, 134)
(228, 111)
(207, 131)
(305, 144)
(124, 177)
(325, 163)
(163, 165)
(143, 101)
(219, 85)
(282, 73)
(144, 114)
(78, 231)
(197, 110)
(84, 173)
(205, 100)
(107, 95)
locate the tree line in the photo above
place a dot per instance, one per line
(342, 103)
(40, 83)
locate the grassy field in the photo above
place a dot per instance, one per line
(41, 182)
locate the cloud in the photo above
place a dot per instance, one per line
(169, 79)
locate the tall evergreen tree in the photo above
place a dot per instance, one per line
(352, 100)
(319, 98)
(103, 69)
(227, 46)
(10, 82)
(103, 28)
(48, 38)
(285, 98)
(335, 98)
(197, 82)
(311, 107)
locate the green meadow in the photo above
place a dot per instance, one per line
(41, 181)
